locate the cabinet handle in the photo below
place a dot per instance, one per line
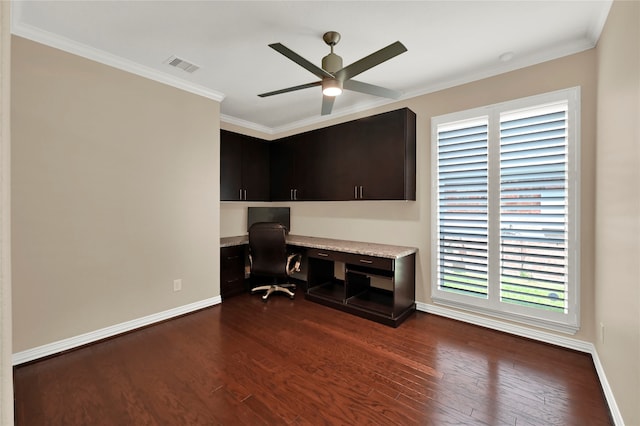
(355, 192)
(291, 194)
(361, 192)
(245, 195)
(323, 254)
(240, 194)
(295, 194)
(366, 261)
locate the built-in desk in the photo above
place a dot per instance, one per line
(374, 281)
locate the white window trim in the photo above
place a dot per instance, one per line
(567, 323)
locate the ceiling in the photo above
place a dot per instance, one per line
(448, 42)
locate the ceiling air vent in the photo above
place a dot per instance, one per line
(174, 61)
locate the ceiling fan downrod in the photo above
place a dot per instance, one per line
(332, 62)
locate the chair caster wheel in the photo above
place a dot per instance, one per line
(291, 297)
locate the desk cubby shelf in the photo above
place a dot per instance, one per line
(330, 290)
(375, 300)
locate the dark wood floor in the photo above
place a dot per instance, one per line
(297, 362)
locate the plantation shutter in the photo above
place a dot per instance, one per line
(534, 207)
(463, 207)
(505, 198)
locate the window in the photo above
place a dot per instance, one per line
(505, 210)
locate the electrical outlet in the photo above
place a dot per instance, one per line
(602, 332)
(177, 285)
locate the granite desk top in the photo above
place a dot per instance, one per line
(355, 247)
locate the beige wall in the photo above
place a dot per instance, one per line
(6, 368)
(409, 223)
(617, 272)
(115, 187)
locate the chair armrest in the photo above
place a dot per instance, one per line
(296, 266)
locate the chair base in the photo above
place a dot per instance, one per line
(284, 288)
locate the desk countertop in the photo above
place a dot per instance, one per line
(356, 247)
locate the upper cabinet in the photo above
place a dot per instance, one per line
(373, 158)
(244, 168)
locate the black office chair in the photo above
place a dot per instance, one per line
(268, 257)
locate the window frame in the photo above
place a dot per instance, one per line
(558, 321)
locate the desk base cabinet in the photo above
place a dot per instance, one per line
(232, 269)
(379, 289)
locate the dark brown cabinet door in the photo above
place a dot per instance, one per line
(244, 168)
(255, 169)
(232, 265)
(230, 166)
(340, 161)
(311, 167)
(384, 167)
(282, 172)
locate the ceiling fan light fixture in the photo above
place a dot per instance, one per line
(331, 87)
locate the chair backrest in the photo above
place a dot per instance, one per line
(268, 249)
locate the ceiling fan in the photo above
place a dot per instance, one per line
(334, 77)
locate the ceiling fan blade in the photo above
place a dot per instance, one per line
(300, 60)
(327, 104)
(291, 89)
(370, 89)
(376, 58)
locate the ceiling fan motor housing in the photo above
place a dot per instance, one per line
(332, 63)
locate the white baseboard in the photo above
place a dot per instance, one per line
(606, 389)
(94, 336)
(518, 330)
(541, 336)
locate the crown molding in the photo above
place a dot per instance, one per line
(503, 68)
(20, 29)
(246, 124)
(295, 125)
(595, 30)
